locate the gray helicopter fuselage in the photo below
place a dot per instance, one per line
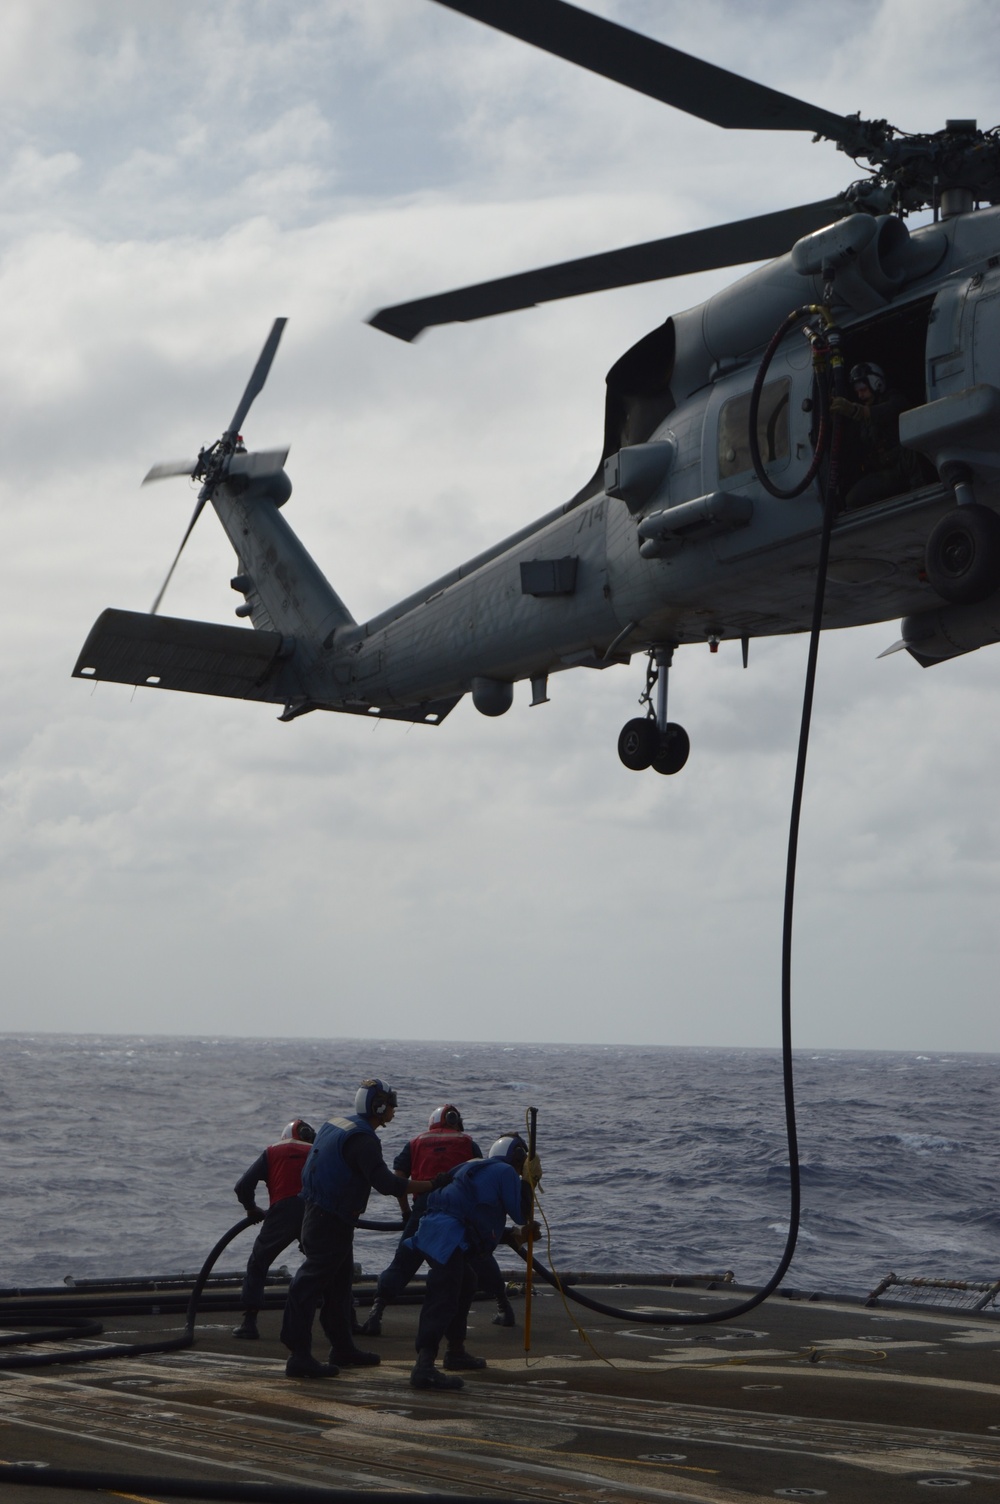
(675, 540)
(566, 589)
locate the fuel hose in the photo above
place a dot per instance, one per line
(830, 491)
(40, 1326)
(825, 346)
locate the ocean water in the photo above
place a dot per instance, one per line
(121, 1153)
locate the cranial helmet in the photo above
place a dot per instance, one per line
(872, 376)
(298, 1131)
(446, 1117)
(512, 1148)
(374, 1098)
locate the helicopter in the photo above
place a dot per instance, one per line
(720, 455)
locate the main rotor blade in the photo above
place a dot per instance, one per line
(757, 239)
(198, 509)
(652, 68)
(259, 376)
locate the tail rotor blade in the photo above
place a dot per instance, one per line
(168, 468)
(215, 462)
(198, 509)
(259, 376)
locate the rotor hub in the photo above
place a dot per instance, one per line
(918, 171)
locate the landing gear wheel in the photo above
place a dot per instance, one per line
(963, 554)
(672, 748)
(637, 743)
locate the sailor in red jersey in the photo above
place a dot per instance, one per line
(443, 1147)
(280, 1168)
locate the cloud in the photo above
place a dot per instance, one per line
(177, 176)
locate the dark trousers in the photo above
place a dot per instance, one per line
(282, 1225)
(489, 1275)
(323, 1279)
(879, 484)
(406, 1261)
(445, 1311)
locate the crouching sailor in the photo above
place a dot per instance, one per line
(443, 1147)
(344, 1166)
(464, 1220)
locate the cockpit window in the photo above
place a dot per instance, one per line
(772, 429)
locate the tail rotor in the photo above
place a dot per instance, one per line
(227, 456)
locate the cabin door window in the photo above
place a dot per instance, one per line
(772, 430)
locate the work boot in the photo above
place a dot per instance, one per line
(305, 1366)
(247, 1328)
(457, 1357)
(426, 1375)
(505, 1312)
(373, 1326)
(353, 1357)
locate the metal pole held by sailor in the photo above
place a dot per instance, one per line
(532, 1138)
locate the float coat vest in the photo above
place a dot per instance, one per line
(470, 1212)
(328, 1179)
(284, 1169)
(437, 1150)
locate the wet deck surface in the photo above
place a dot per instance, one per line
(796, 1400)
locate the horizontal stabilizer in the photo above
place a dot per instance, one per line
(169, 652)
(203, 658)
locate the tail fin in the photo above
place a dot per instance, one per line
(284, 588)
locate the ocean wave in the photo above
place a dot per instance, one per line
(653, 1159)
(924, 1142)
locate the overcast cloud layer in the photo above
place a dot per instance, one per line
(174, 176)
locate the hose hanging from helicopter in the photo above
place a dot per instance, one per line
(828, 364)
(824, 341)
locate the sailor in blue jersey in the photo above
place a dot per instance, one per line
(344, 1166)
(465, 1220)
(444, 1146)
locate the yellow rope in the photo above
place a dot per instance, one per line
(581, 1332)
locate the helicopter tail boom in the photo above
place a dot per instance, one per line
(283, 587)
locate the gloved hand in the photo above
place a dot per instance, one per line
(440, 1181)
(847, 409)
(254, 1213)
(515, 1236)
(532, 1171)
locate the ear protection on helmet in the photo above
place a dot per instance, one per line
(374, 1098)
(446, 1117)
(872, 376)
(298, 1131)
(511, 1148)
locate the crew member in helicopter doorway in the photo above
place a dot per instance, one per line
(875, 454)
(280, 1168)
(344, 1166)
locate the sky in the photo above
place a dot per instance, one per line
(174, 176)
